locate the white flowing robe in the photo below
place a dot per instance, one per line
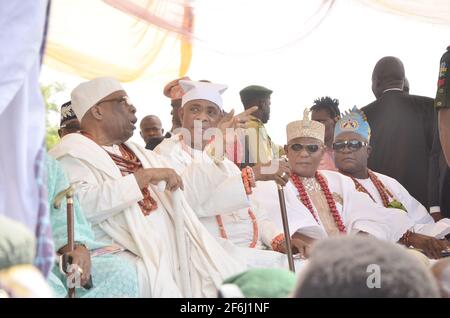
(214, 188)
(423, 221)
(358, 211)
(110, 202)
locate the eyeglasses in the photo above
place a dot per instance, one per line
(72, 127)
(310, 148)
(119, 100)
(350, 144)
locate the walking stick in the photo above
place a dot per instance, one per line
(68, 194)
(287, 236)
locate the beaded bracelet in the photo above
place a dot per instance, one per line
(278, 242)
(248, 178)
(405, 239)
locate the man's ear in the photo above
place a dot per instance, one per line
(286, 149)
(96, 112)
(181, 114)
(162, 131)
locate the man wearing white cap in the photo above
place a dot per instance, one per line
(215, 187)
(325, 203)
(119, 197)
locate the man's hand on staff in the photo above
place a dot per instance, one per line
(280, 175)
(81, 262)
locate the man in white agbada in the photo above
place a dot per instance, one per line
(119, 197)
(214, 185)
(352, 150)
(324, 203)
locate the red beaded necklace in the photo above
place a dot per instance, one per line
(385, 194)
(326, 191)
(129, 163)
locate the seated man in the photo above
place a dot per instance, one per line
(118, 194)
(325, 203)
(352, 150)
(111, 275)
(215, 187)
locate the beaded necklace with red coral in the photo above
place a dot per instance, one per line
(326, 191)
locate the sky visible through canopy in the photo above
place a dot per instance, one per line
(300, 49)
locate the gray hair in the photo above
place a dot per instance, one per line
(342, 267)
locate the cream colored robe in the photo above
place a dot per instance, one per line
(110, 203)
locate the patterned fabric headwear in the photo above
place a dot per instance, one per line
(173, 89)
(305, 128)
(354, 121)
(67, 113)
(263, 283)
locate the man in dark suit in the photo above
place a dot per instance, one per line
(402, 129)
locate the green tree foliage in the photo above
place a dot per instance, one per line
(52, 110)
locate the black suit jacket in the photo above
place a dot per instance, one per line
(402, 137)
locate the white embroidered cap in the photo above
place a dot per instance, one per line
(202, 90)
(87, 94)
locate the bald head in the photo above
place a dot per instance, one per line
(389, 72)
(151, 127)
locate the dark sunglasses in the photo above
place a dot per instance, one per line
(350, 144)
(311, 148)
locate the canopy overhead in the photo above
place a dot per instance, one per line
(127, 39)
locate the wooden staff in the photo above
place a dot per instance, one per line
(287, 236)
(68, 194)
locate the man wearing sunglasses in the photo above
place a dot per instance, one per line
(352, 150)
(324, 203)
